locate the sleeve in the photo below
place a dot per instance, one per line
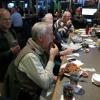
(33, 68)
(57, 24)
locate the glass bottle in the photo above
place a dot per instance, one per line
(68, 92)
(87, 29)
(93, 33)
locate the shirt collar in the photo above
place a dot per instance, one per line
(35, 46)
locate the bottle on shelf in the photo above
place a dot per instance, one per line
(93, 32)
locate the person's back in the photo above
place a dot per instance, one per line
(17, 25)
(16, 18)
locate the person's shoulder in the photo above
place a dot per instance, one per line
(15, 14)
(12, 31)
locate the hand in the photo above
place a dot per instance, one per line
(53, 52)
(54, 78)
(15, 50)
(61, 71)
(66, 52)
(69, 22)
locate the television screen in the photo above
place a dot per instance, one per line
(88, 11)
(26, 5)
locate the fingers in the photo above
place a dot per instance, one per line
(15, 50)
(53, 51)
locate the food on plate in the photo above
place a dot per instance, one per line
(71, 67)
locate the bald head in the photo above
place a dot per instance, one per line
(48, 18)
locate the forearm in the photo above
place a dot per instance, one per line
(65, 52)
(43, 76)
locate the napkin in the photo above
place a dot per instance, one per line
(88, 69)
(74, 54)
(78, 62)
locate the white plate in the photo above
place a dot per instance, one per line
(72, 46)
(84, 35)
(96, 79)
(75, 46)
(64, 45)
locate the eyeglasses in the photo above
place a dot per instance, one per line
(66, 16)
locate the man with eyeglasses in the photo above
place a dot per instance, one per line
(64, 25)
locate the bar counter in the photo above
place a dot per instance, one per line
(91, 91)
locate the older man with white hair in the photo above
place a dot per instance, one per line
(49, 19)
(34, 65)
(64, 25)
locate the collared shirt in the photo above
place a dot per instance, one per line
(59, 24)
(36, 67)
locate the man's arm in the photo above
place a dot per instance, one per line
(33, 68)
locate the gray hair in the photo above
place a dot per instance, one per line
(38, 29)
(47, 17)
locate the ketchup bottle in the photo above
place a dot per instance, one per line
(87, 29)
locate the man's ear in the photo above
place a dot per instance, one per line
(40, 38)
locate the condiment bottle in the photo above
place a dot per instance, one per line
(87, 29)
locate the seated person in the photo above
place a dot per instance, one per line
(78, 20)
(64, 25)
(49, 19)
(17, 25)
(9, 46)
(96, 17)
(34, 65)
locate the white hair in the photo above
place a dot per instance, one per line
(48, 18)
(39, 29)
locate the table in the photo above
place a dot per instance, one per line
(92, 92)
